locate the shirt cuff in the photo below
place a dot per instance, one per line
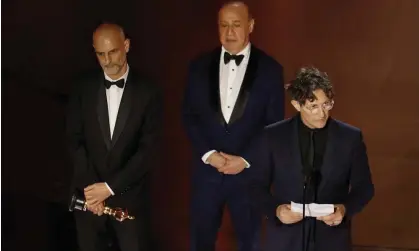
(205, 157)
(247, 163)
(110, 190)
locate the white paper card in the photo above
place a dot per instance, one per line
(313, 209)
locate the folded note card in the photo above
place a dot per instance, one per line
(313, 209)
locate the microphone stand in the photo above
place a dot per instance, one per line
(313, 181)
(306, 183)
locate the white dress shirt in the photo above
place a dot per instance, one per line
(231, 79)
(113, 98)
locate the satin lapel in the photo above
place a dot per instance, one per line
(124, 109)
(214, 86)
(102, 112)
(246, 86)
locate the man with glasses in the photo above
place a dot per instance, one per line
(314, 154)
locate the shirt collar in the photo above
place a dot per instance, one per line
(245, 51)
(303, 127)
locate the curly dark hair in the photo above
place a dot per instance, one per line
(307, 81)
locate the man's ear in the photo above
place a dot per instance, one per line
(251, 25)
(296, 105)
(127, 44)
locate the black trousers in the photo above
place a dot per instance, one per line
(99, 233)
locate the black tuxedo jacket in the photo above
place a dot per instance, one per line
(124, 161)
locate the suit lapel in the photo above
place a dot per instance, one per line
(296, 150)
(124, 109)
(214, 86)
(246, 86)
(102, 112)
(331, 146)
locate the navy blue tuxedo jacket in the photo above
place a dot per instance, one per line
(260, 103)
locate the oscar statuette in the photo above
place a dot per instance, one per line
(119, 214)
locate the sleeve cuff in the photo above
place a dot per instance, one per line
(205, 157)
(110, 190)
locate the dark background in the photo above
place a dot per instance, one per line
(370, 50)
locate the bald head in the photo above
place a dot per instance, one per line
(111, 47)
(235, 24)
(238, 7)
(109, 30)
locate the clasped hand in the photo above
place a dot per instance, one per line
(95, 195)
(226, 163)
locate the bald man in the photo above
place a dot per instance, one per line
(232, 93)
(113, 123)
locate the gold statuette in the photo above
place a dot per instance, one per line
(118, 213)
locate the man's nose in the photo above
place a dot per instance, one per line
(107, 59)
(230, 31)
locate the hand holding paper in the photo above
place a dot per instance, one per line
(286, 216)
(336, 218)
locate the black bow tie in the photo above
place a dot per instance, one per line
(237, 58)
(120, 83)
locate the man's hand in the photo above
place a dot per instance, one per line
(96, 194)
(98, 210)
(216, 160)
(234, 165)
(335, 218)
(286, 216)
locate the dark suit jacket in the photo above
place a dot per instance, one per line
(346, 179)
(260, 102)
(123, 162)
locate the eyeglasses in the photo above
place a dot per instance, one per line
(315, 108)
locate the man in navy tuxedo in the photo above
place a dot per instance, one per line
(314, 154)
(232, 92)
